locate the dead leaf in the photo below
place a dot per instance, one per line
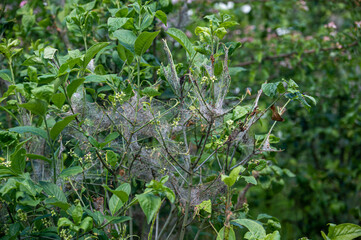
(276, 116)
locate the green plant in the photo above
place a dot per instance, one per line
(109, 141)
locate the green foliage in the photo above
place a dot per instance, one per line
(137, 136)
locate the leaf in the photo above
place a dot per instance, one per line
(111, 158)
(221, 32)
(149, 204)
(110, 137)
(115, 203)
(58, 99)
(71, 171)
(73, 86)
(233, 176)
(114, 23)
(270, 89)
(27, 21)
(231, 234)
(250, 179)
(311, 98)
(77, 214)
(239, 112)
(36, 156)
(18, 161)
(5, 75)
(59, 126)
(53, 191)
(86, 224)
(143, 42)
(30, 129)
(122, 192)
(49, 52)
(161, 16)
(256, 229)
(345, 231)
(92, 51)
(126, 38)
(36, 106)
(182, 39)
(273, 236)
(44, 92)
(64, 222)
(33, 61)
(115, 220)
(150, 92)
(206, 206)
(235, 70)
(276, 116)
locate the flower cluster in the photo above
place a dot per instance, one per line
(22, 215)
(65, 234)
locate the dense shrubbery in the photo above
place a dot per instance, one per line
(109, 130)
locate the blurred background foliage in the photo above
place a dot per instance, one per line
(316, 43)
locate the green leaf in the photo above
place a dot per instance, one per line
(182, 39)
(221, 32)
(206, 206)
(114, 23)
(239, 112)
(77, 214)
(311, 98)
(59, 126)
(58, 99)
(52, 201)
(231, 234)
(27, 21)
(64, 222)
(143, 42)
(122, 192)
(73, 86)
(270, 89)
(18, 161)
(114, 220)
(36, 156)
(164, 3)
(273, 236)
(161, 16)
(256, 230)
(345, 231)
(110, 137)
(150, 92)
(53, 191)
(92, 51)
(71, 171)
(49, 52)
(250, 179)
(33, 61)
(111, 158)
(235, 70)
(115, 203)
(126, 38)
(86, 224)
(30, 129)
(8, 185)
(5, 75)
(44, 92)
(36, 106)
(149, 204)
(233, 176)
